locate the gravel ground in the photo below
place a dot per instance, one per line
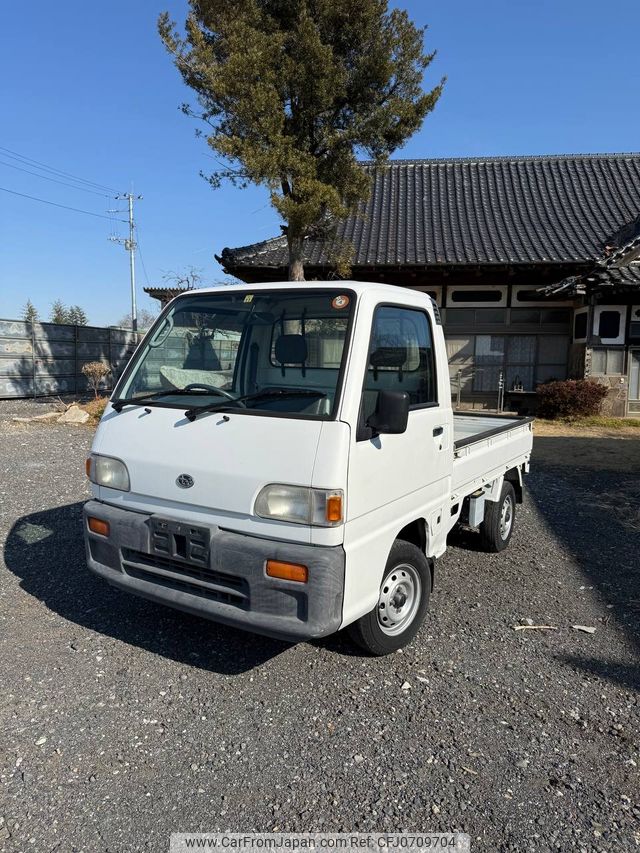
(121, 721)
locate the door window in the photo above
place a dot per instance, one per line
(401, 358)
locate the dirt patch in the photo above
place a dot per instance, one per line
(595, 447)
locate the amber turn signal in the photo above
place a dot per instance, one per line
(334, 508)
(97, 525)
(87, 466)
(287, 571)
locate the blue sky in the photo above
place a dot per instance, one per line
(89, 89)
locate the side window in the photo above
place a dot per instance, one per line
(401, 358)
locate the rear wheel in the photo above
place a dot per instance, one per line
(402, 603)
(499, 519)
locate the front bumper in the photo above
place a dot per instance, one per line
(229, 585)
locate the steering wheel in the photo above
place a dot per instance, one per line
(195, 385)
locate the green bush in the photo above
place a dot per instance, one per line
(572, 398)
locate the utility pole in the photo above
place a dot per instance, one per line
(130, 246)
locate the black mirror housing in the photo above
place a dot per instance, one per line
(391, 414)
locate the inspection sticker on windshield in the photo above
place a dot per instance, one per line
(340, 301)
(248, 297)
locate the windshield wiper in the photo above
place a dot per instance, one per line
(120, 403)
(192, 414)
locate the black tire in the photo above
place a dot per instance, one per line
(407, 572)
(499, 520)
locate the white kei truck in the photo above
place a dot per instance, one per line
(284, 458)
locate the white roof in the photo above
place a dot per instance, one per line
(371, 288)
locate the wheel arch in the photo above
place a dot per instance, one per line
(416, 532)
(514, 476)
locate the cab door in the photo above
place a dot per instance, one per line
(390, 468)
(394, 479)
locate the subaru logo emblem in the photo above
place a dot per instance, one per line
(185, 481)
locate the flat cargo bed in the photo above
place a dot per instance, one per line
(485, 447)
(468, 428)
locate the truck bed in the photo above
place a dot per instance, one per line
(468, 428)
(486, 446)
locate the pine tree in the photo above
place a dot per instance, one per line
(293, 91)
(30, 312)
(77, 316)
(59, 312)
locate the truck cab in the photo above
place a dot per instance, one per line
(284, 458)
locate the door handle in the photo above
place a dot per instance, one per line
(438, 430)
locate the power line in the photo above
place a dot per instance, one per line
(15, 155)
(144, 269)
(55, 180)
(55, 204)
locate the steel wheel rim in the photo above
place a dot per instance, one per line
(399, 600)
(506, 517)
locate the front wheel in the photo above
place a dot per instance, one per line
(499, 519)
(402, 603)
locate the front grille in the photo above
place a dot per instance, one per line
(196, 580)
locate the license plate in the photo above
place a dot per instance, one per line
(179, 540)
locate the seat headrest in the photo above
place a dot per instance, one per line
(291, 349)
(388, 357)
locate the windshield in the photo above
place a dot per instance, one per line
(262, 352)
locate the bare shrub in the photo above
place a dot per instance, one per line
(96, 372)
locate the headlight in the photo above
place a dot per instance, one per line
(109, 472)
(316, 507)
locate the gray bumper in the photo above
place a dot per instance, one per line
(230, 584)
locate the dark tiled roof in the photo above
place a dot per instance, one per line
(624, 247)
(620, 279)
(479, 211)
(164, 293)
(617, 277)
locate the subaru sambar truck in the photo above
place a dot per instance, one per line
(284, 458)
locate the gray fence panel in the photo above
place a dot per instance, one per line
(60, 349)
(14, 329)
(15, 346)
(44, 359)
(53, 332)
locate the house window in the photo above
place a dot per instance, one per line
(523, 360)
(460, 355)
(527, 316)
(606, 361)
(477, 297)
(609, 326)
(489, 361)
(634, 325)
(555, 317)
(520, 362)
(580, 325)
(609, 323)
(531, 296)
(541, 316)
(476, 316)
(553, 351)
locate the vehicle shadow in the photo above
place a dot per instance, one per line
(465, 538)
(46, 551)
(591, 503)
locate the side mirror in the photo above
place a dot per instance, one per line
(391, 414)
